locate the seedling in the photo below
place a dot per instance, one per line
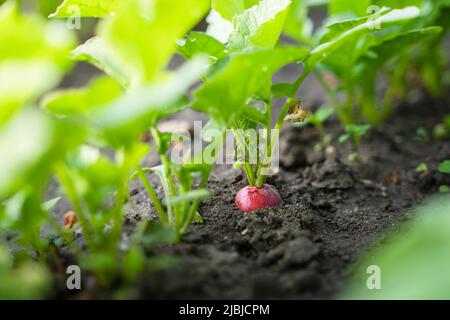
(116, 110)
(121, 120)
(258, 194)
(444, 167)
(86, 140)
(422, 168)
(442, 130)
(239, 94)
(317, 119)
(356, 132)
(380, 44)
(422, 134)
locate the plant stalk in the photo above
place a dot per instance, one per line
(152, 195)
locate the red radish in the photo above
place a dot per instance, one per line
(250, 199)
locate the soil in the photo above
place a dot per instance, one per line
(333, 210)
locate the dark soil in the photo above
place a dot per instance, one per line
(333, 210)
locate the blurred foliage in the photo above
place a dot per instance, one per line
(372, 47)
(135, 41)
(87, 8)
(413, 261)
(37, 62)
(66, 141)
(29, 280)
(46, 7)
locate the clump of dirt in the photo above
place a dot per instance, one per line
(332, 211)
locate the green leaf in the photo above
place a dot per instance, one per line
(375, 53)
(335, 29)
(398, 4)
(73, 101)
(280, 90)
(444, 189)
(441, 132)
(357, 130)
(131, 114)
(32, 58)
(259, 26)
(344, 137)
(86, 8)
(28, 36)
(189, 196)
(161, 22)
(444, 167)
(201, 43)
(321, 115)
(422, 167)
(134, 263)
(316, 3)
(50, 204)
(24, 142)
(255, 115)
(198, 218)
(396, 43)
(26, 281)
(298, 25)
(156, 234)
(447, 121)
(46, 7)
(351, 35)
(422, 134)
(161, 173)
(229, 8)
(355, 7)
(22, 83)
(352, 156)
(224, 95)
(96, 52)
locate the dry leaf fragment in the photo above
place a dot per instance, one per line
(296, 113)
(69, 219)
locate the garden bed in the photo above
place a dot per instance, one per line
(333, 211)
(96, 202)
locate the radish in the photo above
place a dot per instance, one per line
(250, 199)
(258, 194)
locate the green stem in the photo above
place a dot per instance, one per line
(88, 230)
(68, 238)
(298, 83)
(341, 110)
(275, 135)
(152, 195)
(250, 174)
(193, 210)
(279, 124)
(251, 153)
(280, 120)
(328, 91)
(247, 166)
(121, 195)
(260, 177)
(171, 210)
